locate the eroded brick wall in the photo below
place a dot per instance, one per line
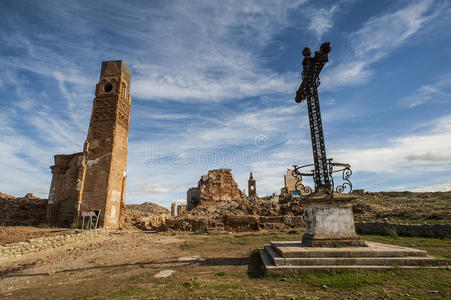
(65, 189)
(219, 185)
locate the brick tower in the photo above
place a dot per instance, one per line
(106, 146)
(252, 186)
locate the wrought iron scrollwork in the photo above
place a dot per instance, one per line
(297, 174)
(346, 173)
(333, 168)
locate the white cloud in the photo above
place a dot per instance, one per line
(423, 152)
(153, 188)
(322, 20)
(221, 60)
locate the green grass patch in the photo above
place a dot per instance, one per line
(443, 256)
(128, 292)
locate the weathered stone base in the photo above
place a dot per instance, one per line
(329, 222)
(294, 257)
(311, 241)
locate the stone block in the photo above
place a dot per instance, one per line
(329, 222)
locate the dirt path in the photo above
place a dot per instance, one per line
(72, 265)
(124, 264)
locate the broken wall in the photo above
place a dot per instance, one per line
(28, 210)
(65, 189)
(218, 186)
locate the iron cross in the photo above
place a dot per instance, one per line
(308, 90)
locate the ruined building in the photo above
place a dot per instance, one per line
(181, 209)
(174, 209)
(290, 183)
(252, 187)
(94, 180)
(192, 197)
(217, 186)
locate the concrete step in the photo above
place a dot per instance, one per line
(296, 250)
(266, 259)
(362, 261)
(275, 257)
(271, 268)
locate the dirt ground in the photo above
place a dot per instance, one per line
(123, 265)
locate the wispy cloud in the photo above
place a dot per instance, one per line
(322, 20)
(207, 88)
(440, 90)
(377, 38)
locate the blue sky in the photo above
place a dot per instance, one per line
(213, 87)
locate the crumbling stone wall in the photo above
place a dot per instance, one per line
(217, 186)
(235, 223)
(241, 223)
(28, 210)
(187, 224)
(46, 243)
(64, 194)
(192, 197)
(181, 209)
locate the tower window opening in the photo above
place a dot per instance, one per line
(108, 87)
(124, 90)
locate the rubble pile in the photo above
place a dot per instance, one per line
(145, 216)
(248, 215)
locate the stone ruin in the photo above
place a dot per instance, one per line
(215, 187)
(177, 209)
(28, 210)
(94, 180)
(217, 203)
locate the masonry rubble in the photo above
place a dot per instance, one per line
(46, 243)
(220, 205)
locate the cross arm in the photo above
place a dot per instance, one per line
(312, 66)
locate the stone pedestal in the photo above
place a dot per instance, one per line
(329, 222)
(331, 243)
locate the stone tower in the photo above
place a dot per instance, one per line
(94, 180)
(252, 186)
(106, 145)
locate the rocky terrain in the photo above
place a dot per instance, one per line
(145, 216)
(403, 207)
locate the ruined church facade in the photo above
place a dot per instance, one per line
(95, 180)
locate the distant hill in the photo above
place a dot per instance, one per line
(6, 196)
(404, 207)
(149, 208)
